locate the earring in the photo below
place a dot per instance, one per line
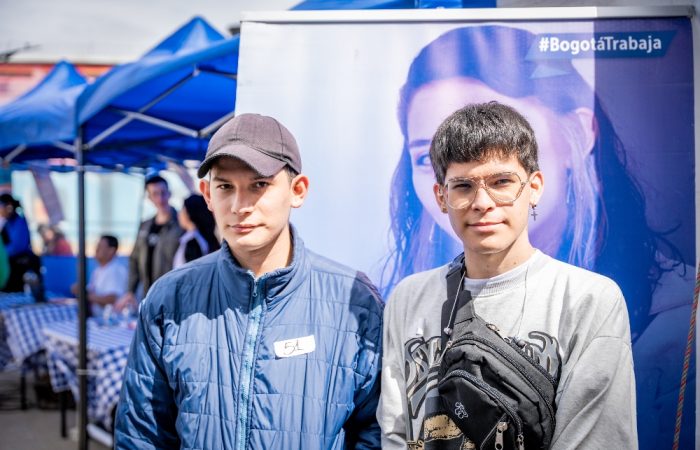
(443, 209)
(533, 213)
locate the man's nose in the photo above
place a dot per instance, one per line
(482, 199)
(241, 203)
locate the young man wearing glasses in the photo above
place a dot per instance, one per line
(262, 344)
(571, 321)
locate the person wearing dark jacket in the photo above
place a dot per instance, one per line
(262, 344)
(156, 243)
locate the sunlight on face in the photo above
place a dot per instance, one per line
(434, 102)
(486, 226)
(251, 211)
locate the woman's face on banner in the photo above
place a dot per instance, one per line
(434, 102)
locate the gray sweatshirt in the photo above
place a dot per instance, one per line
(573, 319)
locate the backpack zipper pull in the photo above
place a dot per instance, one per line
(500, 428)
(521, 442)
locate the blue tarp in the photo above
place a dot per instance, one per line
(164, 105)
(43, 117)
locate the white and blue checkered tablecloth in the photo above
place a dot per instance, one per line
(20, 326)
(12, 299)
(107, 352)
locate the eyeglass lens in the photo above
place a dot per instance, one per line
(503, 188)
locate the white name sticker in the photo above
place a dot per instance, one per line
(295, 347)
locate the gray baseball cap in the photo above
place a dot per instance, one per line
(259, 141)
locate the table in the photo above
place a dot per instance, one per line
(21, 321)
(7, 301)
(107, 352)
(12, 299)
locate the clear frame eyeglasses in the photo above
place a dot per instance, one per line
(504, 188)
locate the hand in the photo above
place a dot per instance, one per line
(127, 300)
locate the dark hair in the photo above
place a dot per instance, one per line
(600, 209)
(291, 172)
(111, 241)
(8, 199)
(479, 131)
(154, 179)
(196, 208)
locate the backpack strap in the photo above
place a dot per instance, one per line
(453, 280)
(453, 277)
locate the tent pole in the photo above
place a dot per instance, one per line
(82, 297)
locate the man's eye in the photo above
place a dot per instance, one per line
(223, 186)
(462, 186)
(503, 181)
(500, 181)
(260, 184)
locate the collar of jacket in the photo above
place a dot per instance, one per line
(275, 285)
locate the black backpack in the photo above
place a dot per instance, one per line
(496, 394)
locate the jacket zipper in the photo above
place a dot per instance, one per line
(495, 395)
(247, 363)
(472, 337)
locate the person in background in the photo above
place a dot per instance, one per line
(55, 242)
(108, 280)
(262, 344)
(198, 223)
(158, 239)
(15, 236)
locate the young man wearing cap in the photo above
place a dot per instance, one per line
(262, 344)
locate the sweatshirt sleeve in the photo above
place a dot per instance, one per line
(596, 405)
(391, 410)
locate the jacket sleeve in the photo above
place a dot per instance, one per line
(134, 274)
(146, 413)
(596, 405)
(362, 429)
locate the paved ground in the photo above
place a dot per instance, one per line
(33, 428)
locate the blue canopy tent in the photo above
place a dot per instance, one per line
(162, 107)
(40, 124)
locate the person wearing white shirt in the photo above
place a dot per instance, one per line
(108, 280)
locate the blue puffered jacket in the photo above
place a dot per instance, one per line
(290, 360)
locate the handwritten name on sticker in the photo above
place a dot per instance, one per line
(295, 347)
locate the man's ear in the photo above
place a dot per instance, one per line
(536, 187)
(299, 188)
(204, 188)
(440, 197)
